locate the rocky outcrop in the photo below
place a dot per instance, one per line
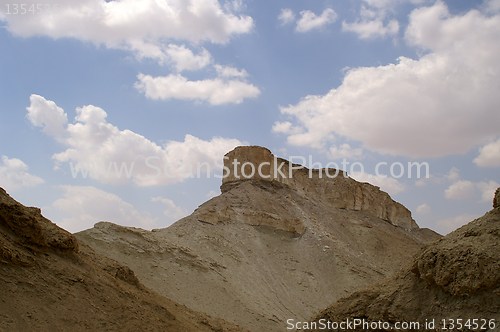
(51, 282)
(28, 226)
(269, 248)
(254, 163)
(455, 277)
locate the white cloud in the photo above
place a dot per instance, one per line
(228, 71)
(369, 29)
(391, 4)
(460, 190)
(80, 207)
(215, 91)
(142, 27)
(345, 151)
(387, 184)
(171, 210)
(453, 174)
(99, 150)
(492, 6)
(487, 190)
(285, 127)
(376, 18)
(489, 155)
(14, 175)
(464, 189)
(286, 16)
(234, 6)
(46, 114)
(184, 59)
(423, 209)
(448, 225)
(309, 21)
(443, 103)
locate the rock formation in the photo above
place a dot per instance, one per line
(269, 249)
(51, 282)
(333, 186)
(31, 227)
(457, 277)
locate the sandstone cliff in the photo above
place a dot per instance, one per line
(455, 277)
(266, 250)
(330, 185)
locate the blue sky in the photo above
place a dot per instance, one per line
(99, 83)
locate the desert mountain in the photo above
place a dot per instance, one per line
(281, 243)
(49, 281)
(457, 277)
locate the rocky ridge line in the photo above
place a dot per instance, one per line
(331, 185)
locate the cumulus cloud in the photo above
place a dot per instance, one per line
(489, 155)
(285, 127)
(80, 207)
(345, 151)
(459, 190)
(464, 189)
(14, 175)
(229, 71)
(96, 149)
(171, 211)
(487, 190)
(448, 225)
(46, 114)
(443, 103)
(183, 58)
(492, 6)
(453, 174)
(423, 209)
(215, 91)
(286, 16)
(376, 18)
(142, 27)
(310, 21)
(369, 29)
(387, 184)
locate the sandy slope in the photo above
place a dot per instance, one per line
(457, 277)
(260, 253)
(51, 282)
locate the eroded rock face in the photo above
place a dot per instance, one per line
(28, 224)
(49, 285)
(254, 163)
(456, 276)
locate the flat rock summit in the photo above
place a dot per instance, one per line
(281, 242)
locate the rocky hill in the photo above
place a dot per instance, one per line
(50, 281)
(457, 277)
(272, 246)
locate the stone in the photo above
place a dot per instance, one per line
(255, 163)
(28, 224)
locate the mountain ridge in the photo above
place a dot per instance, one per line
(264, 251)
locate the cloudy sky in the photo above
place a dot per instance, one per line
(108, 108)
